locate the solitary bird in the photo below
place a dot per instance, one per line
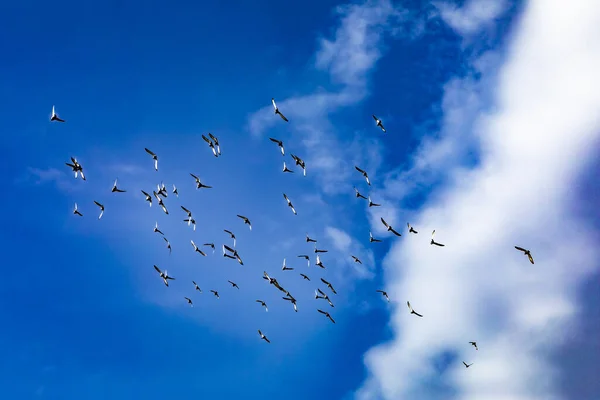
(231, 235)
(305, 277)
(148, 198)
(389, 227)
(327, 315)
(364, 173)
(196, 249)
(168, 244)
(200, 185)
(433, 241)
(215, 293)
(154, 157)
(319, 263)
(175, 192)
(101, 209)
(300, 162)
(196, 286)
(286, 169)
(277, 110)
(211, 145)
(410, 228)
(358, 195)
(467, 365)
(76, 167)
(262, 303)
(263, 337)
(76, 211)
(233, 284)
(289, 203)
(54, 116)
(474, 344)
(372, 239)
(378, 123)
(280, 144)
(285, 267)
(328, 285)
(246, 221)
(216, 141)
(412, 311)
(305, 257)
(156, 228)
(164, 275)
(384, 294)
(116, 189)
(356, 259)
(526, 252)
(371, 204)
(189, 301)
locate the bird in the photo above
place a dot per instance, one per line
(215, 293)
(305, 257)
(371, 204)
(188, 212)
(148, 198)
(54, 116)
(200, 185)
(327, 315)
(164, 275)
(474, 344)
(389, 227)
(286, 169)
(196, 249)
(319, 263)
(467, 365)
(320, 250)
(157, 230)
(378, 123)
(154, 157)
(305, 277)
(411, 229)
(191, 221)
(76, 211)
(116, 189)
(280, 144)
(233, 284)
(263, 337)
(162, 190)
(235, 255)
(76, 167)
(285, 267)
(291, 299)
(196, 286)
(328, 285)
(364, 173)
(526, 252)
(262, 303)
(300, 162)
(216, 141)
(189, 301)
(230, 234)
(384, 294)
(412, 311)
(101, 209)
(289, 203)
(160, 202)
(175, 192)
(246, 221)
(309, 239)
(356, 259)
(358, 195)
(277, 110)
(212, 245)
(319, 294)
(433, 241)
(211, 145)
(168, 244)
(372, 239)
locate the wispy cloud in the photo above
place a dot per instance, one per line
(472, 16)
(40, 176)
(346, 246)
(532, 145)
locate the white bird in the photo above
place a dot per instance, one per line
(164, 275)
(199, 185)
(231, 235)
(411, 309)
(289, 203)
(300, 162)
(216, 141)
(280, 144)
(286, 169)
(246, 221)
(175, 192)
(157, 230)
(76, 211)
(285, 267)
(148, 198)
(116, 189)
(154, 157)
(196, 249)
(262, 303)
(76, 167)
(364, 173)
(211, 145)
(54, 116)
(101, 209)
(378, 123)
(277, 110)
(263, 337)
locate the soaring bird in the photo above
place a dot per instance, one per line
(378, 123)
(371, 204)
(364, 173)
(262, 303)
(310, 240)
(300, 162)
(246, 221)
(389, 227)
(168, 244)
(215, 293)
(372, 239)
(156, 229)
(211, 145)
(116, 189)
(234, 285)
(291, 299)
(216, 141)
(285, 267)
(189, 301)
(320, 250)
(164, 275)
(200, 185)
(76, 211)
(305, 277)
(289, 203)
(280, 144)
(356, 259)
(162, 190)
(358, 194)
(277, 110)
(196, 249)
(433, 241)
(231, 235)
(211, 245)
(286, 169)
(263, 337)
(526, 252)
(196, 286)
(307, 258)
(328, 285)
(411, 229)
(160, 202)
(76, 167)
(175, 192)
(154, 157)
(467, 365)
(148, 197)
(384, 294)
(101, 209)
(188, 212)
(54, 116)
(319, 263)
(319, 294)
(327, 315)
(235, 255)
(474, 344)
(190, 221)
(412, 311)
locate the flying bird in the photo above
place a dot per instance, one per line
(384, 294)
(196, 286)
(378, 123)
(305, 257)
(154, 157)
(433, 241)
(309, 239)
(474, 344)
(196, 249)
(164, 275)
(76, 167)
(233, 284)
(216, 141)
(411, 229)
(319, 263)
(389, 227)
(175, 192)
(280, 144)
(211, 145)
(371, 204)
(364, 173)
(327, 315)
(189, 301)
(305, 277)
(328, 285)
(300, 162)
(212, 245)
(262, 303)
(286, 169)
(116, 189)
(101, 209)
(291, 299)
(467, 365)
(160, 202)
(526, 252)
(54, 116)
(412, 311)
(320, 250)
(356, 259)
(188, 212)
(235, 255)
(289, 203)
(168, 244)
(358, 195)
(319, 294)
(76, 211)
(230, 234)
(246, 221)
(372, 239)
(148, 198)
(263, 337)
(191, 221)
(156, 229)
(285, 267)
(162, 190)
(200, 185)
(277, 110)
(215, 293)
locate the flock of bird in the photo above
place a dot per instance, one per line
(231, 252)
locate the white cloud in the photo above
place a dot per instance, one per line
(471, 17)
(346, 246)
(540, 135)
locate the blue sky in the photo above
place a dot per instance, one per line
(480, 138)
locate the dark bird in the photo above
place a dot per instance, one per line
(300, 162)
(319, 263)
(156, 229)
(216, 141)
(413, 311)
(154, 157)
(467, 365)
(215, 293)
(200, 185)
(263, 337)
(101, 209)
(292, 300)
(196, 286)
(389, 227)
(364, 173)
(233, 284)
(286, 169)
(474, 344)
(526, 252)
(162, 190)
(175, 192)
(76, 167)
(277, 110)
(116, 189)
(262, 303)
(289, 203)
(280, 144)
(327, 315)
(76, 211)
(246, 221)
(211, 145)
(378, 123)
(164, 275)
(433, 241)
(309, 240)
(411, 229)
(319, 294)
(188, 212)
(168, 244)
(191, 221)
(372, 239)
(54, 116)
(160, 202)
(371, 204)
(307, 258)
(189, 301)
(148, 198)
(356, 259)
(320, 250)
(196, 249)
(384, 294)
(285, 267)
(305, 277)
(231, 235)
(358, 194)
(328, 285)
(211, 245)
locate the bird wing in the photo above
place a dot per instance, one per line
(322, 312)
(149, 152)
(384, 223)
(325, 282)
(274, 104)
(157, 269)
(194, 176)
(530, 258)
(185, 209)
(283, 117)
(521, 249)
(375, 118)
(207, 140)
(359, 170)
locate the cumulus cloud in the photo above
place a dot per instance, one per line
(532, 146)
